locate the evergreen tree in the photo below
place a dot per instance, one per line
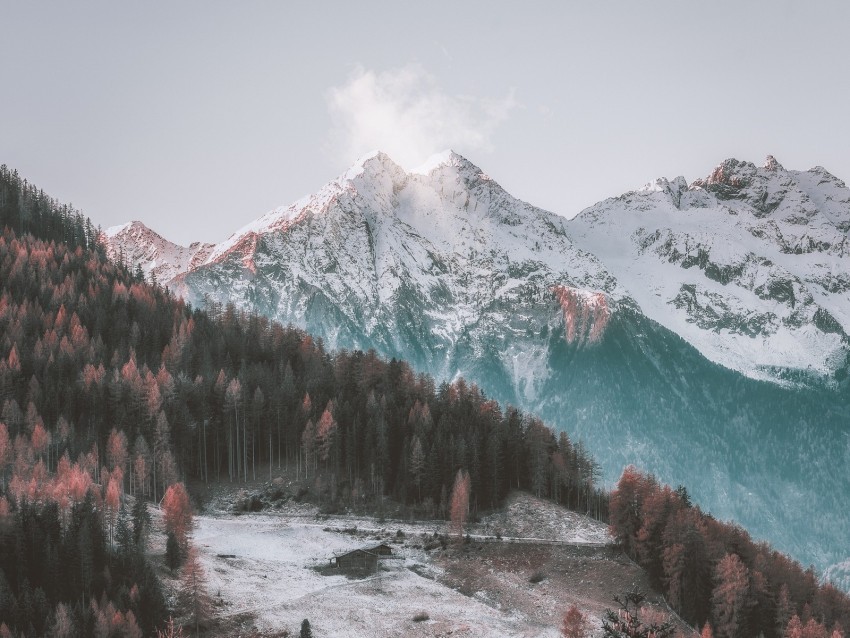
(626, 622)
(141, 522)
(173, 556)
(193, 595)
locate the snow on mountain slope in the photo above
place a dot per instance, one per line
(750, 265)
(408, 263)
(136, 244)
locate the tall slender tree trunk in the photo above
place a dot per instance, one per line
(245, 447)
(206, 459)
(238, 459)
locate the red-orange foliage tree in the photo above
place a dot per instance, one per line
(177, 513)
(116, 450)
(625, 508)
(63, 625)
(5, 453)
(460, 502)
(730, 599)
(574, 624)
(326, 430)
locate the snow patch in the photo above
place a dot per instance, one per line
(443, 158)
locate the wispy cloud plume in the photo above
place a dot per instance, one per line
(406, 114)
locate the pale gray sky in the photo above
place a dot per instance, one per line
(197, 117)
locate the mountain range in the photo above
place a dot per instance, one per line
(698, 330)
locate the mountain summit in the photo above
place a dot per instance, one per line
(413, 264)
(751, 265)
(677, 322)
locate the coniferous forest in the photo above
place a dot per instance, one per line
(111, 388)
(712, 573)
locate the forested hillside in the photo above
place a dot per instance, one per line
(71, 561)
(713, 572)
(111, 386)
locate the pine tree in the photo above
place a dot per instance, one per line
(170, 631)
(626, 622)
(460, 502)
(730, 597)
(193, 595)
(124, 535)
(575, 624)
(417, 465)
(173, 554)
(177, 513)
(306, 631)
(141, 522)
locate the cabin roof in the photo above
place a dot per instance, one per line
(354, 551)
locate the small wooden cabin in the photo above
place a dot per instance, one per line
(357, 560)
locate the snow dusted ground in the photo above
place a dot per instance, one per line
(525, 516)
(272, 578)
(263, 567)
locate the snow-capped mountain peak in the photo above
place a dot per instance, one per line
(771, 164)
(452, 161)
(750, 264)
(136, 244)
(368, 166)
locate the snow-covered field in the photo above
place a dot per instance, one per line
(263, 569)
(273, 579)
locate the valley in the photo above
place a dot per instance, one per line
(267, 571)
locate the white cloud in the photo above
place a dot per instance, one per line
(406, 114)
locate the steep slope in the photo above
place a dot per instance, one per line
(641, 356)
(750, 265)
(409, 264)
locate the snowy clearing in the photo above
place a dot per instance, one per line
(267, 572)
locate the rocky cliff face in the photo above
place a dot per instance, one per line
(137, 245)
(750, 265)
(699, 331)
(410, 264)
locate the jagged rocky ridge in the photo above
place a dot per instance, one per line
(697, 330)
(750, 265)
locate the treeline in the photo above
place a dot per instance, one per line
(713, 572)
(27, 209)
